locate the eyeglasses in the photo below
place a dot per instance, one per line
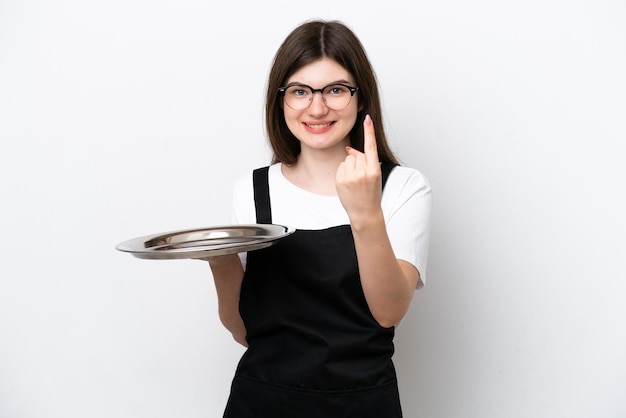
(335, 96)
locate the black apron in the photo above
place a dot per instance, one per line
(314, 348)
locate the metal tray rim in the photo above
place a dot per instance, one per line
(138, 248)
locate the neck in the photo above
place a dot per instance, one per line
(315, 171)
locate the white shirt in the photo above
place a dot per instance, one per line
(406, 205)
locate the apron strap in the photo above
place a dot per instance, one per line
(262, 195)
(260, 182)
(385, 169)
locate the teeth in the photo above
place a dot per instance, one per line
(318, 126)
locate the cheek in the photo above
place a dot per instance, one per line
(291, 119)
(290, 116)
(289, 113)
(351, 113)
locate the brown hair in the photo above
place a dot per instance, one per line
(307, 43)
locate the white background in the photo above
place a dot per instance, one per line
(130, 117)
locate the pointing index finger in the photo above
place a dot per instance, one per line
(369, 142)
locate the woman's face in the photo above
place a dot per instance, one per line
(317, 126)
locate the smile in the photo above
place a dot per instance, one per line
(318, 126)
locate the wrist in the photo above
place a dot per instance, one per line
(366, 222)
(221, 261)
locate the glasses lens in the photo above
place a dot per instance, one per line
(298, 97)
(335, 96)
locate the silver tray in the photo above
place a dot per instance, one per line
(205, 242)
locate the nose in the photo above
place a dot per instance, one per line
(318, 105)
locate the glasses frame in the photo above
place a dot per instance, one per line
(283, 90)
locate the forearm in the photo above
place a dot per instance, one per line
(228, 276)
(388, 284)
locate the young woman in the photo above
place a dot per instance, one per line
(317, 310)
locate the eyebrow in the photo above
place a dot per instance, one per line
(342, 81)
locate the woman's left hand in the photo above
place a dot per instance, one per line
(388, 283)
(358, 179)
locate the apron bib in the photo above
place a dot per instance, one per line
(314, 348)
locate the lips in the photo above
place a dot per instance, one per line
(318, 125)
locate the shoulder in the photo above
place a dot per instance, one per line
(408, 180)
(406, 193)
(245, 180)
(243, 207)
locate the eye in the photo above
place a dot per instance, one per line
(298, 91)
(336, 90)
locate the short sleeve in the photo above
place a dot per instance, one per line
(407, 205)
